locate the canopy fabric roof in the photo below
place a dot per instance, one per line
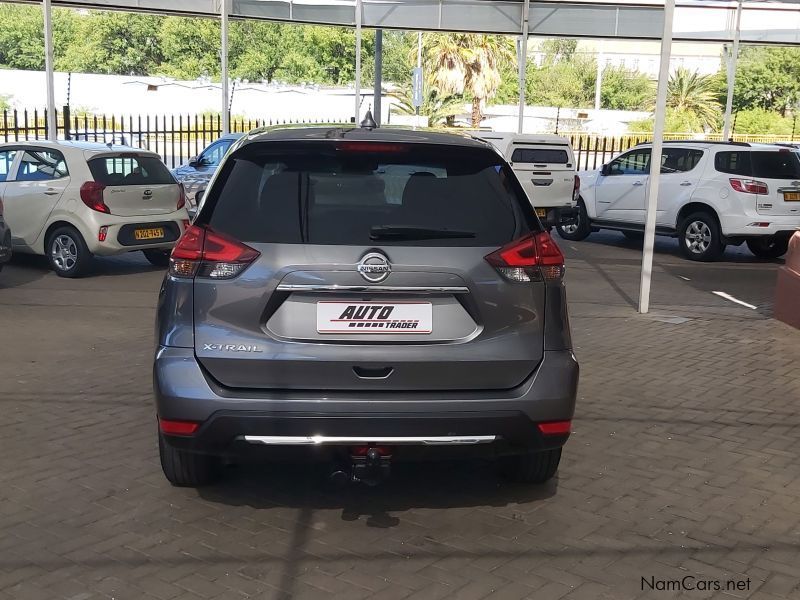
(775, 22)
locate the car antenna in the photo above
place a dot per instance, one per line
(368, 122)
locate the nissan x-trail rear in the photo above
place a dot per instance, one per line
(369, 296)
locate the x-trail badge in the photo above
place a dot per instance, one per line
(374, 267)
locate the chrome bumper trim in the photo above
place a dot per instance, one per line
(397, 289)
(315, 440)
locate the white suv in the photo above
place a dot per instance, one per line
(73, 200)
(710, 195)
(545, 166)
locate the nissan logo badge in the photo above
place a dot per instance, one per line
(374, 267)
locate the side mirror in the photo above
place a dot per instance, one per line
(194, 162)
(605, 170)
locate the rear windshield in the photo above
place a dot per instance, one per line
(540, 155)
(320, 194)
(130, 170)
(764, 165)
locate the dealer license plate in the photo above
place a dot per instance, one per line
(374, 317)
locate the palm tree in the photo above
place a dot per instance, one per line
(440, 109)
(468, 62)
(694, 96)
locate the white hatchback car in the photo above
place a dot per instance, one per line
(73, 200)
(710, 195)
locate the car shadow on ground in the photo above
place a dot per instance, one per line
(425, 485)
(22, 270)
(668, 247)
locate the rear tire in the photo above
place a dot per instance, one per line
(531, 467)
(157, 258)
(578, 231)
(67, 252)
(186, 469)
(700, 237)
(768, 246)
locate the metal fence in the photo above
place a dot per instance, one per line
(176, 138)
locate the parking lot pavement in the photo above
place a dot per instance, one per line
(684, 460)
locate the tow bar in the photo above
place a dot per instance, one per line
(368, 465)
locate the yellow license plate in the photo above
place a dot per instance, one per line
(149, 234)
(791, 196)
(541, 212)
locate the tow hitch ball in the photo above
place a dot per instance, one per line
(370, 464)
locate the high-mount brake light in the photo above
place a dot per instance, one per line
(371, 147)
(534, 257)
(203, 252)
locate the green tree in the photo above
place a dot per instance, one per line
(768, 78)
(762, 122)
(562, 83)
(115, 42)
(22, 35)
(625, 89)
(190, 48)
(440, 109)
(694, 96)
(468, 63)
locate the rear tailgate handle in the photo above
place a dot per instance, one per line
(373, 372)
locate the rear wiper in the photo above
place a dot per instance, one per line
(395, 232)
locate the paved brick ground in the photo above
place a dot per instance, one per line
(684, 461)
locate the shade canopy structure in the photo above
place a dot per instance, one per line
(717, 21)
(774, 22)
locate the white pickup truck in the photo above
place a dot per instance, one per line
(545, 166)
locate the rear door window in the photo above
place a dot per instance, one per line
(319, 194)
(558, 156)
(130, 170)
(679, 160)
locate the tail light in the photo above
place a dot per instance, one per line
(534, 257)
(576, 189)
(181, 197)
(205, 253)
(749, 186)
(92, 196)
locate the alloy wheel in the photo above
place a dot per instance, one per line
(697, 237)
(64, 251)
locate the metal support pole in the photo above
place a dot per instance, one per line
(358, 59)
(598, 82)
(377, 89)
(731, 64)
(523, 63)
(655, 159)
(52, 132)
(226, 115)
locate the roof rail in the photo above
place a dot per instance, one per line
(730, 143)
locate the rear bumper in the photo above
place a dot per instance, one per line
(184, 392)
(741, 226)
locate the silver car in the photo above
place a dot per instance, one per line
(375, 294)
(198, 171)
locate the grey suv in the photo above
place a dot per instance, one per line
(367, 295)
